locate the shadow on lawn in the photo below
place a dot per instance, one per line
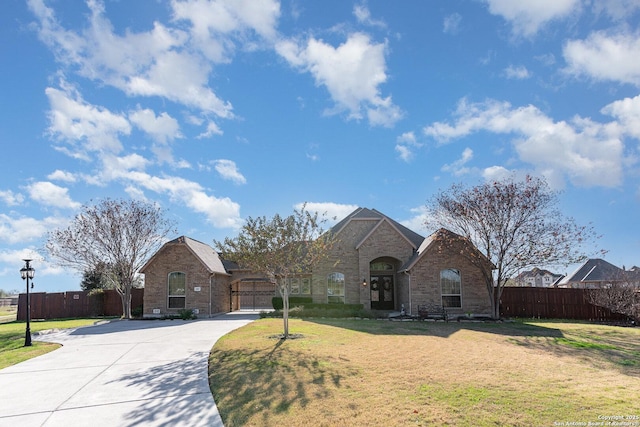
(602, 347)
(257, 389)
(438, 328)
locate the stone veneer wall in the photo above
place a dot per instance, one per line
(178, 258)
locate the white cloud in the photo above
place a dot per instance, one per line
(161, 128)
(518, 73)
(627, 111)
(352, 73)
(527, 17)
(333, 212)
(229, 170)
(458, 167)
(212, 129)
(418, 221)
(158, 62)
(616, 9)
(405, 146)
(221, 212)
(73, 120)
(496, 173)
(363, 15)
(11, 198)
(50, 194)
(24, 229)
(586, 152)
(217, 25)
(60, 175)
(451, 23)
(605, 56)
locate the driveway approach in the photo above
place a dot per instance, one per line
(122, 373)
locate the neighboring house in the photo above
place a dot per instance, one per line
(376, 262)
(597, 273)
(537, 278)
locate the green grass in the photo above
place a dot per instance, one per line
(372, 372)
(12, 337)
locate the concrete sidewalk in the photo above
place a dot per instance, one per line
(122, 373)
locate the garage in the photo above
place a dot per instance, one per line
(252, 294)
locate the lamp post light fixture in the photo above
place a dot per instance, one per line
(27, 273)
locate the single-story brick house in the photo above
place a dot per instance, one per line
(376, 262)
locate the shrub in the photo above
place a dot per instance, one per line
(277, 303)
(327, 310)
(137, 312)
(186, 314)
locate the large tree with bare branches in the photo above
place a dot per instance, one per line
(113, 236)
(514, 223)
(280, 248)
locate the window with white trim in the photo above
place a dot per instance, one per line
(177, 290)
(451, 288)
(335, 288)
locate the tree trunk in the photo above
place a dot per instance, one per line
(285, 309)
(125, 298)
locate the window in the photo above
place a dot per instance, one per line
(450, 286)
(335, 288)
(295, 286)
(177, 288)
(305, 288)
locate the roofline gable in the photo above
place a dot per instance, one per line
(378, 225)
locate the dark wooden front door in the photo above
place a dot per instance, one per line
(382, 292)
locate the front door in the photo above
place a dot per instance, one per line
(382, 292)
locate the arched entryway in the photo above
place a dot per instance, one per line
(382, 279)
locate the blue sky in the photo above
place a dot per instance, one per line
(218, 110)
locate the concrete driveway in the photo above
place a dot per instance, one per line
(122, 373)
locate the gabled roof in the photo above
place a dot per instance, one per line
(537, 272)
(594, 270)
(203, 252)
(366, 214)
(441, 234)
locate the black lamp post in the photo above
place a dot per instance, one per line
(27, 272)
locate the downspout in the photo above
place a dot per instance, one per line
(212, 279)
(410, 299)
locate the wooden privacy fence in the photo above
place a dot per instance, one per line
(553, 303)
(75, 304)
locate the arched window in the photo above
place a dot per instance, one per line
(451, 288)
(177, 290)
(335, 288)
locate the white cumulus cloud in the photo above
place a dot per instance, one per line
(527, 17)
(605, 56)
(351, 72)
(229, 170)
(586, 152)
(49, 194)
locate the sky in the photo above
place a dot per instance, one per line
(219, 110)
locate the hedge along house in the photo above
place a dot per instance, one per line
(376, 262)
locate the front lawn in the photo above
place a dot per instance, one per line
(12, 335)
(375, 372)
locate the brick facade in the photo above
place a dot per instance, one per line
(412, 265)
(206, 292)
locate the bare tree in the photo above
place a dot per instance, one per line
(113, 236)
(513, 223)
(279, 248)
(621, 296)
